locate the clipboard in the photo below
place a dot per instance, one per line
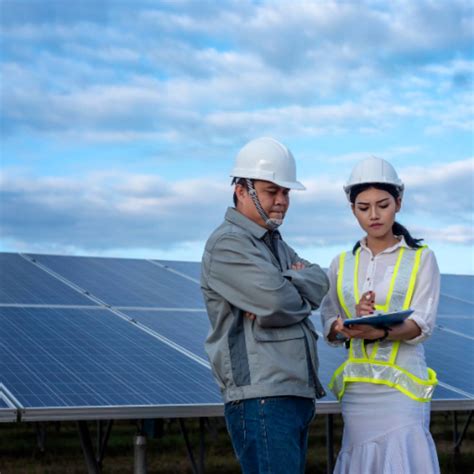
(381, 319)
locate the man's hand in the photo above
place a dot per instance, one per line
(250, 316)
(297, 266)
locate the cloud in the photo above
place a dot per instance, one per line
(445, 191)
(455, 234)
(107, 210)
(138, 88)
(122, 210)
(178, 70)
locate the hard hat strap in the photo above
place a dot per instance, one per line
(272, 224)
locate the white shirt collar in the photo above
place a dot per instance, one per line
(401, 243)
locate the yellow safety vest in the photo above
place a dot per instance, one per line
(381, 367)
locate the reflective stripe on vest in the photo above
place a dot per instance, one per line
(380, 367)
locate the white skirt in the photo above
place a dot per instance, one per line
(385, 432)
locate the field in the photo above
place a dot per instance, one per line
(166, 452)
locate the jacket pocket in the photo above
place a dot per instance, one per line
(277, 334)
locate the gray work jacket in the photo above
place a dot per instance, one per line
(274, 355)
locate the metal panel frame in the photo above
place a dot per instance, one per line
(182, 411)
(10, 413)
(121, 412)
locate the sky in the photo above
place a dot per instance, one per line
(120, 120)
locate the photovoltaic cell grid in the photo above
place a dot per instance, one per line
(65, 357)
(188, 329)
(92, 358)
(461, 325)
(23, 283)
(452, 358)
(191, 269)
(458, 286)
(126, 282)
(146, 293)
(455, 310)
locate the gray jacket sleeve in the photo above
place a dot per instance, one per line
(312, 282)
(240, 273)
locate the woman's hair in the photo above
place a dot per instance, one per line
(397, 228)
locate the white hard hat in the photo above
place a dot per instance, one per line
(267, 159)
(373, 170)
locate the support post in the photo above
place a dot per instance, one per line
(202, 444)
(103, 441)
(139, 464)
(455, 432)
(330, 443)
(86, 444)
(41, 436)
(189, 449)
(460, 438)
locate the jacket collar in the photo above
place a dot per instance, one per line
(235, 217)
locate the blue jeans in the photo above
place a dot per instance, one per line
(270, 435)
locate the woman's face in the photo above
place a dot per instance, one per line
(375, 211)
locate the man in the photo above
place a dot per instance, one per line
(259, 295)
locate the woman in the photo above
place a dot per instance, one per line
(384, 385)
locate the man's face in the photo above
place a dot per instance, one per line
(274, 199)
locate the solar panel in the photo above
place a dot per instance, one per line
(462, 325)
(21, 282)
(80, 358)
(452, 357)
(90, 363)
(127, 282)
(451, 306)
(442, 393)
(459, 286)
(186, 328)
(192, 269)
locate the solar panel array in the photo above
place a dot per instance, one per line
(69, 350)
(90, 338)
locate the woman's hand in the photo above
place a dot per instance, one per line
(366, 304)
(364, 331)
(359, 331)
(338, 329)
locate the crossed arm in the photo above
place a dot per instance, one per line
(241, 274)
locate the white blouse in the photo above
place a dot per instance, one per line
(375, 273)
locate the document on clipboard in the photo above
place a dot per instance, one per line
(381, 320)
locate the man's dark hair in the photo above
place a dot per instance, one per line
(243, 183)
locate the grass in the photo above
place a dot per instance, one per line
(166, 453)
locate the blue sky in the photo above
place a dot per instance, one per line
(120, 120)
